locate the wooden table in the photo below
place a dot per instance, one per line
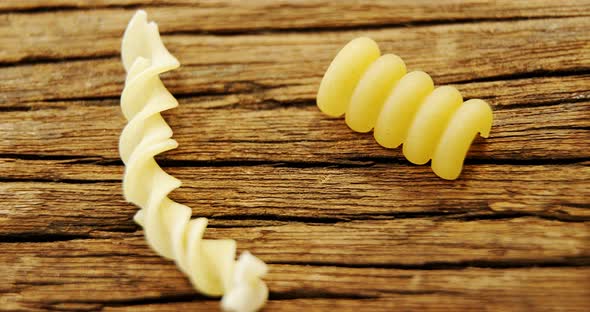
(344, 224)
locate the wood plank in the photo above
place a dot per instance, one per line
(87, 197)
(403, 10)
(530, 91)
(233, 64)
(43, 35)
(395, 243)
(83, 273)
(424, 302)
(218, 128)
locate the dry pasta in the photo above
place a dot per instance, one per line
(375, 92)
(168, 227)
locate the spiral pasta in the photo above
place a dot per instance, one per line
(168, 226)
(375, 92)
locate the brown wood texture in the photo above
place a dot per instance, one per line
(344, 224)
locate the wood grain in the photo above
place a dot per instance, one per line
(455, 53)
(110, 16)
(344, 224)
(124, 264)
(217, 128)
(262, 194)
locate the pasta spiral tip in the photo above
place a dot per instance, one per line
(169, 229)
(376, 93)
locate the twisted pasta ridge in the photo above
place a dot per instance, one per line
(168, 226)
(375, 92)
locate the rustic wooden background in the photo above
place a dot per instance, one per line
(344, 224)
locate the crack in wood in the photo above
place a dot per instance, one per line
(59, 180)
(464, 215)
(300, 293)
(168, 298)
(360, 27)
(68, 8)
(317, 294)
(510, 215)
(540, 104)
(542, 73)
(577, 261)
(352, 162)
(41, 60)
(40, 237)
(47, 157)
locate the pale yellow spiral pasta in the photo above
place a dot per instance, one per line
(375, 92)
(168, 227)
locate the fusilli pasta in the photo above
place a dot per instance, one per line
(168, 227)
(375, 92)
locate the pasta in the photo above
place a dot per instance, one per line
(375, 92)
(168, 226)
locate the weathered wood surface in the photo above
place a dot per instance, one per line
(344, 224)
